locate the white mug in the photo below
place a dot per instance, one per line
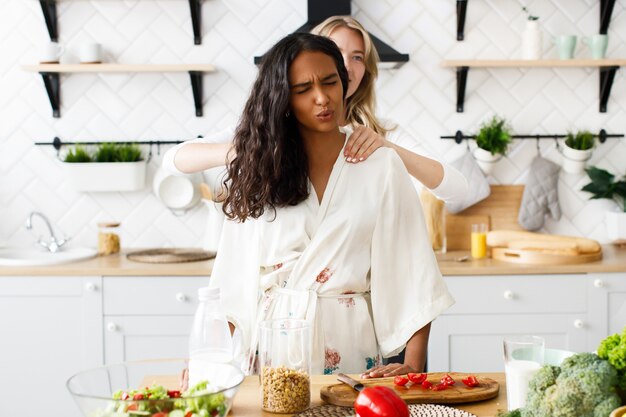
(90, 53)
(51, 53)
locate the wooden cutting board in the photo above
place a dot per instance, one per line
(343, 395)
(534, 257)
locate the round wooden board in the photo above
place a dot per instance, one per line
(525, 256)
(170, 255)
(343, 395)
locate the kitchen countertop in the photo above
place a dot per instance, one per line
(248, 399)
(614, 260)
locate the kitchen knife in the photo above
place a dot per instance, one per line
(350, 381)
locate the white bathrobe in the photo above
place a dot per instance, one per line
(358, 267)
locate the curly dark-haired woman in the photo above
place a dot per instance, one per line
(343, 246)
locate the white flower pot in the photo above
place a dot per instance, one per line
(532, 43)
(615, 222)
(574, 160)
(485, 160)
(106, 176)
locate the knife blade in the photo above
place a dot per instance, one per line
(356, 385)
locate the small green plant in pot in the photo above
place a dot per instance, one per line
(493, 140)
(111, 167)
(577, 149)
(604, 185)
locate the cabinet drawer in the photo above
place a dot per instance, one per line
(152, 295)
(518, 294)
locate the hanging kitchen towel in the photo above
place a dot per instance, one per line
(541, 194)
(478, 187)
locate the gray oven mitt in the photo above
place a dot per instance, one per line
(541, 194)
(478, 187)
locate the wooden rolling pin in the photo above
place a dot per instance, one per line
(567, 245)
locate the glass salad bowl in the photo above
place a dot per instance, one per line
(152, 388)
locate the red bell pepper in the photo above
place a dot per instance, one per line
(440, 387)
(427, 385)
(417, 378)
(470, 381)
(380, 401)
(447, 379)
(400, 380)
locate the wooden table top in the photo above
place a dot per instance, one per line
(248, 399)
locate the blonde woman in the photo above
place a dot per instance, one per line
(360, 58)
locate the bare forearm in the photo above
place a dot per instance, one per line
(197, 157)
(416, 348)
(427, 171)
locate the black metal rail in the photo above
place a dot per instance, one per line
(602, 136)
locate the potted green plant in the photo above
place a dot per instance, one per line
(111, 167)
(577, 149)
(493, 140)
(604, 185)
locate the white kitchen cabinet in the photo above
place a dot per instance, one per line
(468, 336)
(148, 317)
(50, 328)
(607, 306)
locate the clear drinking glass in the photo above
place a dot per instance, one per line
(285, 360)
(523, 356)
(479, 240)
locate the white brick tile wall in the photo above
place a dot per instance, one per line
(420, 96)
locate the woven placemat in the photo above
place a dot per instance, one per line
(416, 410)
(170, 255)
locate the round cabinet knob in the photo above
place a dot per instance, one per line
(579, 324)
(90, 286)
(598, 283)
(112, 327)
(509, 295)
(180, 297)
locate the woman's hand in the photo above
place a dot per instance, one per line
(391, 369)
(362, 143)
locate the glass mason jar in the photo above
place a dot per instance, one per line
(108, 238)
(285, 361)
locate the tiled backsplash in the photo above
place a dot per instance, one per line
(420, 96)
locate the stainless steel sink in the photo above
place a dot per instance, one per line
(16, 256)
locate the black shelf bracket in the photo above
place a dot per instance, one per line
(461, 83)
(49, 9)
(607, 75)
(196, 20)
(606, 10)
(196, 86)
(461, 12)
(53, 88)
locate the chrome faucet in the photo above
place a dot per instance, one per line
(53, 244)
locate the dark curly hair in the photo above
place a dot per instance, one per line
(270, 167)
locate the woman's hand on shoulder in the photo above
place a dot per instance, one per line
(391, 369)
(362, 143)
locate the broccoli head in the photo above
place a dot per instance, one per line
(584, 386)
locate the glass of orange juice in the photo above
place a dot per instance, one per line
(479, 240)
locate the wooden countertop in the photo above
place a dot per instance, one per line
(614, 260)
(248, 399)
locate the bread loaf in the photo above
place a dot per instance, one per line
(531, 240)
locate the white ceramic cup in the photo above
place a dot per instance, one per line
(51, 52)
(90, 53)
(523, 357)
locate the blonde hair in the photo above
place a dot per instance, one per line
(360, 107)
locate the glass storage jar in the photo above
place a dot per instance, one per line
(108, 238)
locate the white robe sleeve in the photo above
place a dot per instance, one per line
(236, 274)
(407, 289)
(453, 186)
(222, 136)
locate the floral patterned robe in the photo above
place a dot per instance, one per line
(358, 266)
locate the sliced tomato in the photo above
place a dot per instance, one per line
(447, 379)
(138, 397)
(470, 381)
(417, 378)
(173, 393)
(440, 387)
(188, 414)
(400, 380)
(132, 407)
(427, 384)
(125, 396)
(160, 414)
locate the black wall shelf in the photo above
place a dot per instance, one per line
(606, 10)
(48, 8)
